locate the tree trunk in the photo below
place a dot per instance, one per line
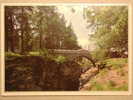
(40, 40)
(12, 36)
(22, 33)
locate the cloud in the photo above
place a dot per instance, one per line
(78, 22)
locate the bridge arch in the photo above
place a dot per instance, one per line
(88, 58)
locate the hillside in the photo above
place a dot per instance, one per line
(113, 77)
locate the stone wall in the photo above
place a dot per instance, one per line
(36, 73)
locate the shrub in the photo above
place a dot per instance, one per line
(41, 52)
(99, 54)
(33, 53)
(60, 59)
(44, 52)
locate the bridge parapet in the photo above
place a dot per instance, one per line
(62, 51)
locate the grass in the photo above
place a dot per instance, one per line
(115, 62)
(97, 86)
(113, 87)
(109, 86)
(11, 54)
(112, 64)
(103, 72)
(121, 72)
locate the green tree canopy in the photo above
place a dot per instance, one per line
(30, 28)
(109, 25)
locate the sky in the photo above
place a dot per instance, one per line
(78, 23)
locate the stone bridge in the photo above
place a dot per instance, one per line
(73, 54)
(34, 73)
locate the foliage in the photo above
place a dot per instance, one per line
(36, 28)
(43, 52)
(33, 53)
(99, 54)
(110, 27)
(60, 59)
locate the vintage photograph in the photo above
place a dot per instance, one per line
(60, 47)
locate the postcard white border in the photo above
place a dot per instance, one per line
(22, 93)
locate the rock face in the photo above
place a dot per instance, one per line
(35, 73)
